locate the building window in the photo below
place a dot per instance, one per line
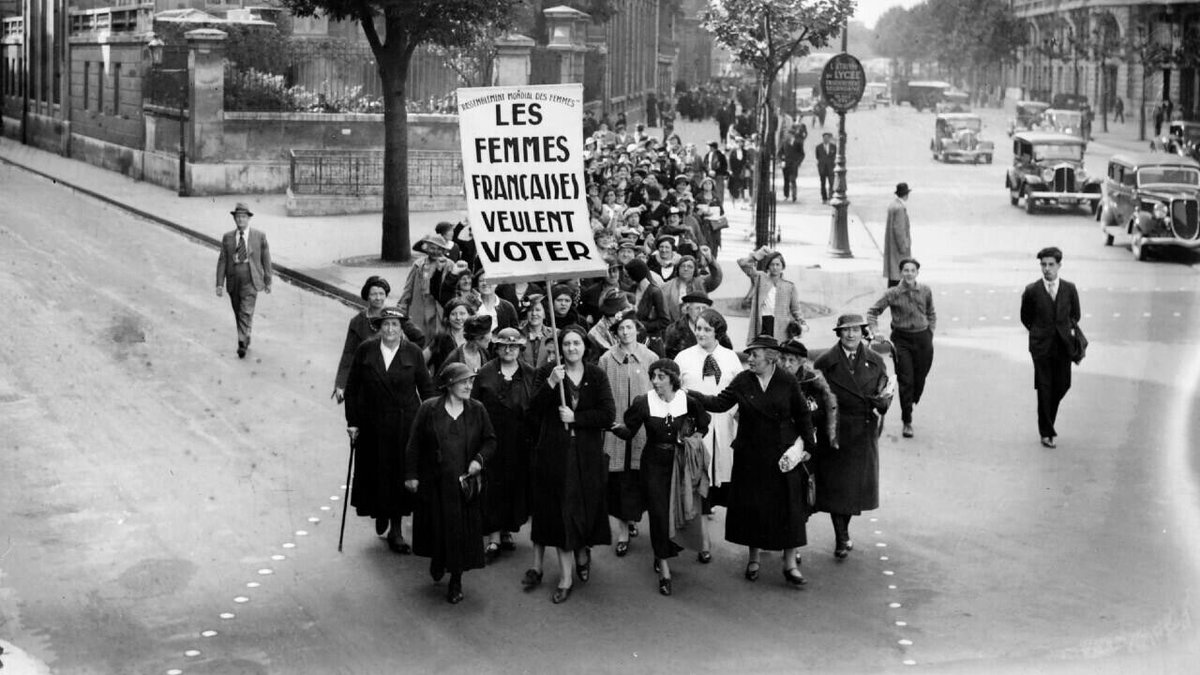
(116, 109)
(87, 79)
(100, 87)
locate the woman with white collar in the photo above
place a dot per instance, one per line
(668, 416)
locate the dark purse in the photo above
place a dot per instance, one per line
(471, 486)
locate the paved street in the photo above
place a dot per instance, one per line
(169, 508)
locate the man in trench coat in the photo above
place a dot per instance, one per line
(897, 239)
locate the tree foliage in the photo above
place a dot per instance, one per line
(960, 35)
(766, 34)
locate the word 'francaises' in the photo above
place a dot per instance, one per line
(524, 187)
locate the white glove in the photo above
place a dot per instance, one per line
(792, 458)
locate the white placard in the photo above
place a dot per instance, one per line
(522, 153)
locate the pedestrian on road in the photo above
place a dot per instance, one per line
(627, 366)
(849, 478)
(897, 237)
(1050, 312)
(773, 300)
(387, 382)
(243, 269)
(570, 471)
(826, 159)
(452, 440)
(708, 368)
(505, 388)
(1119, 110)
(766, 501)
(792, 153)
(418, 300)
(913, 323)
(673, 426)
(716, 167)
(374, 292)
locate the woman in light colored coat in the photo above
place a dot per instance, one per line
(774, 301)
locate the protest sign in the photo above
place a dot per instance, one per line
(522, 153)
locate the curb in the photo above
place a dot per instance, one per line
(299, 279)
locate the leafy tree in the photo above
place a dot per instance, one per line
(1152, 56)
(394, 29)
(765, 35)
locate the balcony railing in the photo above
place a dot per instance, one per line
(130, 18)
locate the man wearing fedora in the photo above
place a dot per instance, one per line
(716, 167)
(1050, 312)
(897, 240)
(243, 269)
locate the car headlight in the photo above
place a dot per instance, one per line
(1080, 174)
(1160, 210)
(1047, 175)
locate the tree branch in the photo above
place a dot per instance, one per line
(368, 24)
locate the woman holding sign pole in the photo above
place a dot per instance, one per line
(570, 470)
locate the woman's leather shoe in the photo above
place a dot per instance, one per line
(633, 531)
(752, 571)
(664, 585)
(704, 557)
(794, 577)
(381, 526)
(584, 571)
(454, 594)
(561, 595)
(507, 543)
(622, 549)
(399, 546)
(532, 578)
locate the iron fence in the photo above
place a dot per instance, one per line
(166, 83)
(431, 173)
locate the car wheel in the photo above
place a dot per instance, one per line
(1014, 196)
(987, 159)
(1030, 206)
(1137, 246)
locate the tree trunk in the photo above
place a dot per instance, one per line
(396, 245)
(764, 178)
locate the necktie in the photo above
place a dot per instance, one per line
(1053, 289)
(711, 368)
(241, 248)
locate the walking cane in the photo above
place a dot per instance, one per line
(346, 497)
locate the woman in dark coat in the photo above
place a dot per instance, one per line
(387, 381)
(570, 470)
(849, 478)
(505, 388)
(767, 506)
(452, 440)
(374, 293)
(668, 415)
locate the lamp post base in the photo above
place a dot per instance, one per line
(839, 234)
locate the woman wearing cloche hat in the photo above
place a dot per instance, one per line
(374, 292)
(418, 300)
(452, 441)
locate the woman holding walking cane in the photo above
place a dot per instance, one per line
(452, 440)
(387, 381)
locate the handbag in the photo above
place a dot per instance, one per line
(810, 492)
(471, 486)
(718, 223)
(1079, 345)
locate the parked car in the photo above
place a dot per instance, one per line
(1152, 198)
(1047, 170)
(1029, 116)
(1182, 138)
(1069, 101)
(956, 136)
(1069, 122)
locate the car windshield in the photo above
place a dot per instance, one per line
(1191, 134)
(958, 125)
(1168, 175)
(1058, 151)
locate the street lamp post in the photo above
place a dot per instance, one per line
(157, 48)
(839, 234)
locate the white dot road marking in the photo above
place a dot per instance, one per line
(878, 531)
(909, 662)
(873, 520)
(301, 533)
(192, 653)
(954, 319)
(208, 633)
(906, 643)
(880, 544)
(888, 573)
(279, 556)
(334, 498)
(342, 487)
(1007, 318)
(174, 671)
(967, 291)
(326, 508)
(1176, 314)
(314, 519)
(891, 587)
(265, 571)
(895, 605)
(289, 545)
(991, 290)
(1145, 315)
(1087, 316)
(241, 599)
(983, 318)
(883, 557)
(1116, 315)
(227, 615)
(902, 624)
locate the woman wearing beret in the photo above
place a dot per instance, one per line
(452, 440)
(385, 386)
(774, 300)
(570, 471)
(627, 366)
(475, 349)
(419, 298)
(849, 478)
(505, 388)
(374, 292)
(668, 417)
(766, 500)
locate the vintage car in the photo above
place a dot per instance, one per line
(920, 94)
(1152, 198)
(1069, 101)
(956, 137)
(1182, 138)
(1029, 116)
(954, 100)
(878, 94)
(1069, 122)
(1048, 170)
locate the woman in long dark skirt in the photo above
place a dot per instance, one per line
(570, 470)
(452, 440)
(387, 381)
(667, 415)
(767, 507)
(505, 388)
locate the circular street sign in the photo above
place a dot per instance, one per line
(842, 82)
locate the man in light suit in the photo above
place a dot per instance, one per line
(244, 269)
(1050, 312)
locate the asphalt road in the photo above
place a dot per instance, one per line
(150, 477)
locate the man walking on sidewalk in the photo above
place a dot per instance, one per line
(243, 269)
(1050, 312)
(913, 323)
(897, 238)
(826, 158)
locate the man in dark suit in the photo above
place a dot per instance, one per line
(1050, 312)
(826, 158)
(243, 269)
(716, 167)
(792, 153)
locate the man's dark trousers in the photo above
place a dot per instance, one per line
(914, 357)
(1052, 379)
(242, 296)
